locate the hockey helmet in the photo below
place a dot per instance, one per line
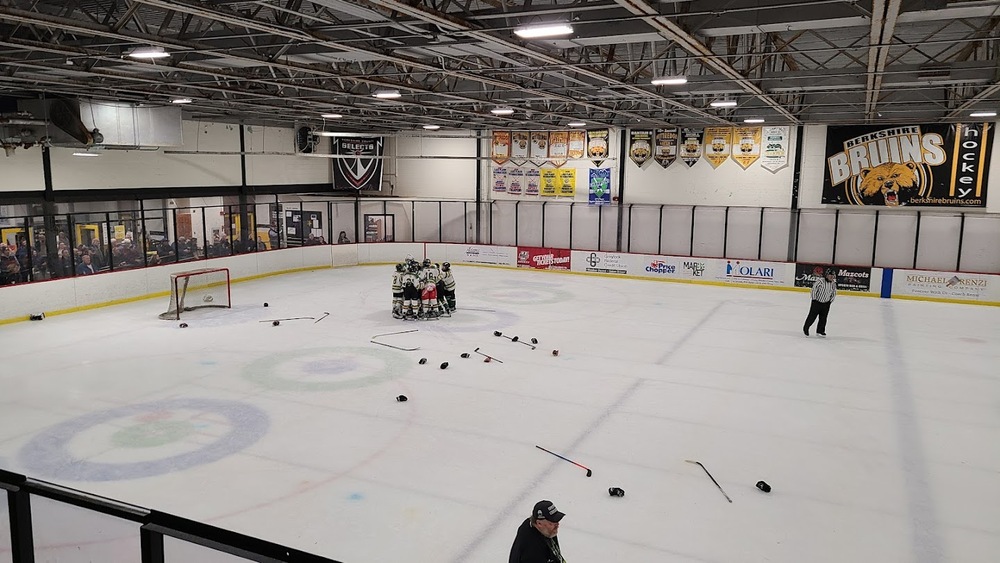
(830, 272)
(400, 267)
(427, 262)
(446, 266)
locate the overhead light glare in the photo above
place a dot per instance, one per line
(332, 116)
(984, 113)
(387, 94)
(181, 101)
(90, 154)
(669, 80)
(148, 53)
(432, 127)
(723, 103)
(502, 111)
(577, 123)
(754, 120)
(546, 30)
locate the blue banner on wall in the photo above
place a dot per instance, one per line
(600, 186)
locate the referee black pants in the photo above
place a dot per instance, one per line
(820, 310)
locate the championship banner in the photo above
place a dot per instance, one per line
(550, 179)
(360, 165)
(717, 143)
(691, 141)
(666, 146)
(849, 278)
(775, 141)
(746, 146)
(515, 181)
(499, 180)
(567, 182)
(531, 187)
(598, 141)
(543, 258)
(938, 164)
(519, 147)
(640, 146)
(558, 147)
(600, 186)
(577, 144)
(500, 152)
(539, 147)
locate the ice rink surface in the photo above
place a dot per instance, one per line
(881, 441)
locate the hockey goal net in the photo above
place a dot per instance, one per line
(195, 289)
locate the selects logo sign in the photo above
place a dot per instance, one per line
(849, 278)
(543, 258)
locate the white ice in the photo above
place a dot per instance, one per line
(881, 441)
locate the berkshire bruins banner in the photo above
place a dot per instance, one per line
(691, 141)
(519, 147)
(640, 146)
(577, 144)
(746, 146)
(558, 147)
(927, 165)
(500, 148)
(717, 144)
(360, 164)
(666, 146)
(597, 145)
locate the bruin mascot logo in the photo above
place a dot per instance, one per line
(888, 167)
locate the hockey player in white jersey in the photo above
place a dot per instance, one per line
(411, 295)
(429, 298)
(446, 288)
(397, 291)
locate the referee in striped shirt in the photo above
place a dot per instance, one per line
(824, 291)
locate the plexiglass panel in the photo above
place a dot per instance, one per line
(179, 551)
(64, 533)
(5, 547)
(816, 236)
(937, 246)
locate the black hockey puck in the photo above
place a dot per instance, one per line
(616, 492)
(422, 361)
(555, 352)
(763, 486)
(265, 304)
(497, 333)
(401, 399)
(37, 317)
(513, 339)
(465, 354)
(183, 325)
(276, 323)
(444, 365)
(534, 341)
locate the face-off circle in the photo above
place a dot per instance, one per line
(326, 369)
(170, 435)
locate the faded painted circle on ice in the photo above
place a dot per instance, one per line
(326, 369)
(144, 440)
(527, 294)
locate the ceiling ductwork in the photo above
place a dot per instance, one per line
(109, 125)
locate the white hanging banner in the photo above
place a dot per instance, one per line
(774, 154)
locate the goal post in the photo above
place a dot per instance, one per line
(196, 289)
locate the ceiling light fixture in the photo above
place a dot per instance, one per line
(754, 120)
(669, 80)
(545, 30)
(181, 101)
(387, 94)
(576, 123)
(983, 113)
(85, 154)
(432, 127)
(148, 53)
(723, 103)
(502, 111)
(332, 116)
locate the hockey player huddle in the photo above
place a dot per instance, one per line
(422, 291)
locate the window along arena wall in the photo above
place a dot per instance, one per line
(73, 294)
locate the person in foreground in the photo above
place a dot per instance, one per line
(536, 540)
(824, 291)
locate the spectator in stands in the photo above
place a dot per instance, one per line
(342, 238)
(274, 236)
(23, 255)
(63, 266)
(97, 255)
(86, 267)
(9, 268)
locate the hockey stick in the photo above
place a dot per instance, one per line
(712, 478)
(394, 347)
(288, 319)
(589, 472)
(325, 315)
(392, 333)
(477, 309)
(513, 339)
(487, 355)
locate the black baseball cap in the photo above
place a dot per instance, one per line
(545, 510)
